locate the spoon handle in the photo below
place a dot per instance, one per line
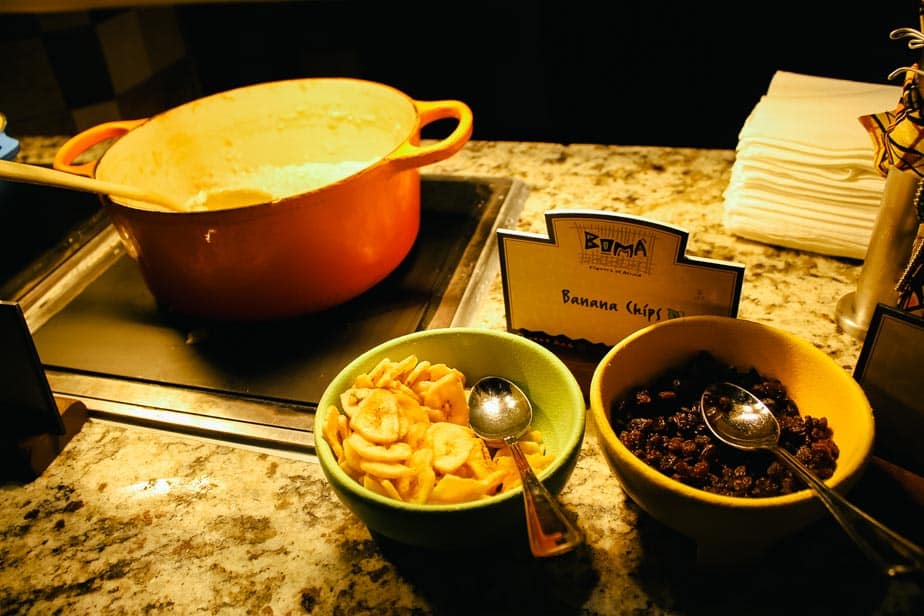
(34, 174)
(550, 531)
(895, 554)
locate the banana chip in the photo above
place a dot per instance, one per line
(453, 489)
(421, 372)
(447, 395)
(384, 487)
(402, 431)
(396, 452)
(479, 460)
(385, 470)
(377, 417)
(331, 433)
(417, 488)
(451, 444)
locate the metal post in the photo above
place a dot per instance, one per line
(890, 246)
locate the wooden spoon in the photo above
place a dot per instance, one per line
(33, 174)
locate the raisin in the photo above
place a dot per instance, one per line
(666, 431)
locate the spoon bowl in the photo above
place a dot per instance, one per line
(226, 198)
(499, 410)
(739, 418)
(500, 413)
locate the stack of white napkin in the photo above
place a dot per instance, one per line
(803, 175)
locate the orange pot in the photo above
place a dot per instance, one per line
(319, 245)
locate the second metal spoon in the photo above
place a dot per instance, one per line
(741, 419)
(500, 413)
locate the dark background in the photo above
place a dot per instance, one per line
(629, 73)
(658, 73)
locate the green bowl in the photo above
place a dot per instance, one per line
(559, 413)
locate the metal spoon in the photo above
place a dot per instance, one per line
(500, 413)
(741, 419)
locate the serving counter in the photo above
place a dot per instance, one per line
(133, 520)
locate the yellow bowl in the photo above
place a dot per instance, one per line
(726, 528)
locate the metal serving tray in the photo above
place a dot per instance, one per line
(104, 341)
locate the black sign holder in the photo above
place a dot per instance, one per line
(889, 370)
(35, 425)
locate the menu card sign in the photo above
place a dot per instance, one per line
(889, 370)
(598, 276)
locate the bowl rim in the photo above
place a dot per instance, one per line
(573, 437)
(600, 417)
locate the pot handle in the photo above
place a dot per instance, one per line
(81, 142)
(409, 155)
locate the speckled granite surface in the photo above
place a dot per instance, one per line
(129, 521)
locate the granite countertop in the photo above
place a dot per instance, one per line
(128, 520)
